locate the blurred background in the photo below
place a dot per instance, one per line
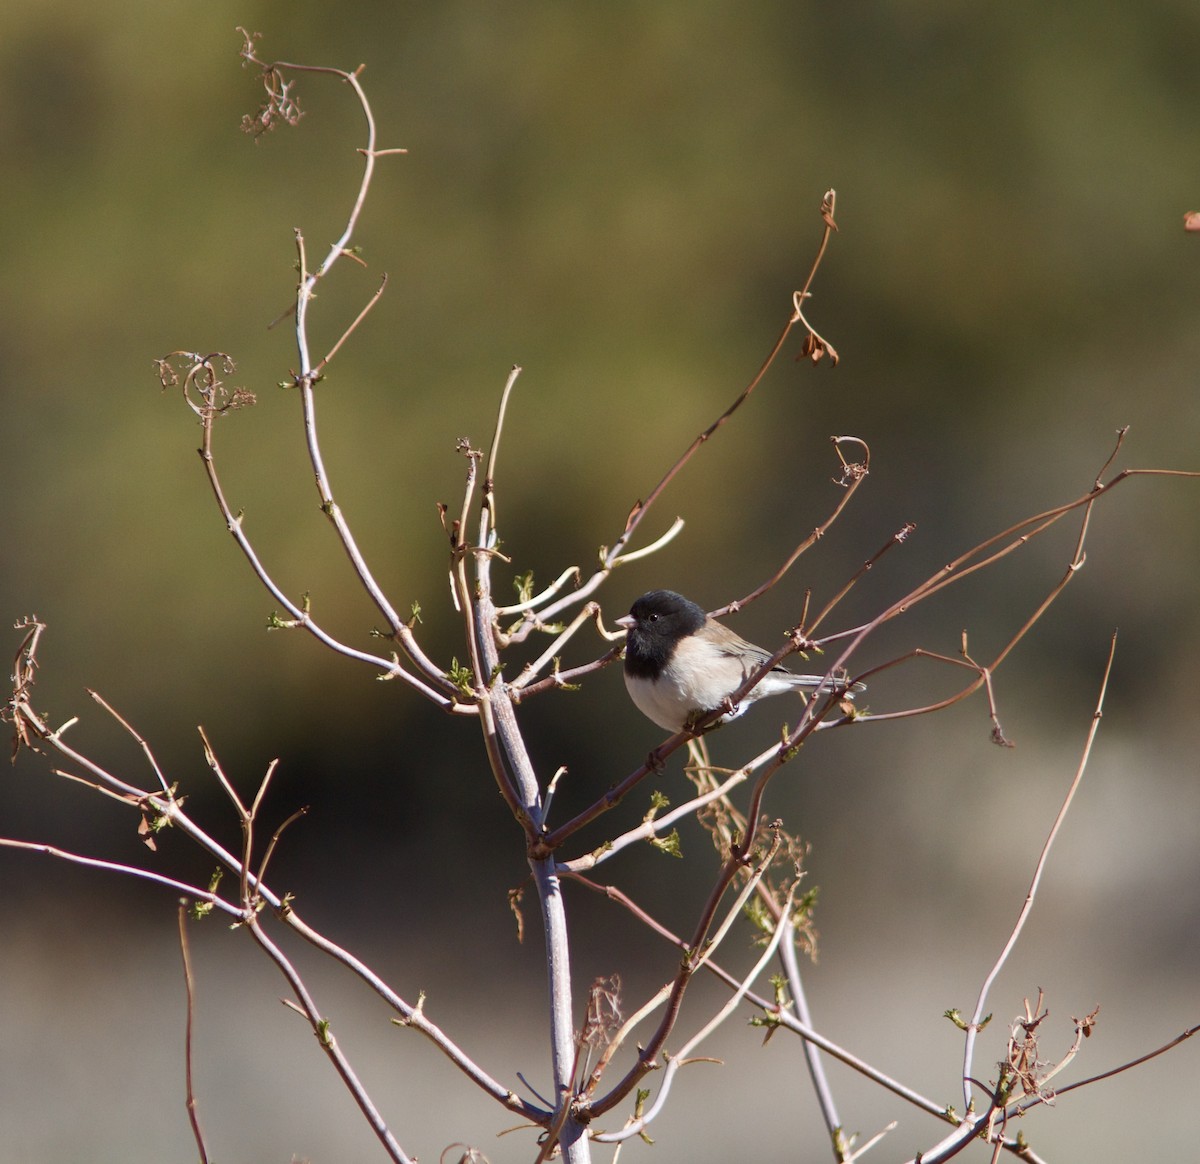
(621, 198)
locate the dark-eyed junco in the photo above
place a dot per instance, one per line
(679, 663)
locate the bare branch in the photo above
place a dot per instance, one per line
(204, 392)
(641, 508)
(652, 826)
(1170, 1045)
(323, 363)
(189, 981)
(193, 891)
(674, 1062)
(489, 482)
(812, 1055)
(973, 1026)
(329, 1044)
(704, 938)
(532, 603)
(141, 741)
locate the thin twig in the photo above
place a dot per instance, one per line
(973, 1025)
(210, 758)
(245, 821)
(172, 813)
(692, 963)
(489, 481)
(201, 379)
(675, 1062)
(704, 939)
(897, 539)
(784, 1019)
(189, 981)
(1015, 537)
(323, 363)
(329, 1044)
(819, 532)
(640, 508)
(273, 843)
(171, 883)
(540, 618)
(532, 603)
(308, 374)
(1170, 1045)
(652, 826)
(141, 741)
(557, 680)
(590, 613)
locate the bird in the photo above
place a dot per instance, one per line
(680, 664)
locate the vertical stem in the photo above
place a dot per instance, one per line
(576, 1148)
(812, 1056)
(193, 1113)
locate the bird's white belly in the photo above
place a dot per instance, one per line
(669, 702)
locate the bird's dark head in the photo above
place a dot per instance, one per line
(654, 624)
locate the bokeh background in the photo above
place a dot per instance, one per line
(621, 198)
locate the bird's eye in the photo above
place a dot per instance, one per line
(654, 618)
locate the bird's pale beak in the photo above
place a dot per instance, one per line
(626, 620)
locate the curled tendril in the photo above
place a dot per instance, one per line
(281, 103)
(199, 378)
